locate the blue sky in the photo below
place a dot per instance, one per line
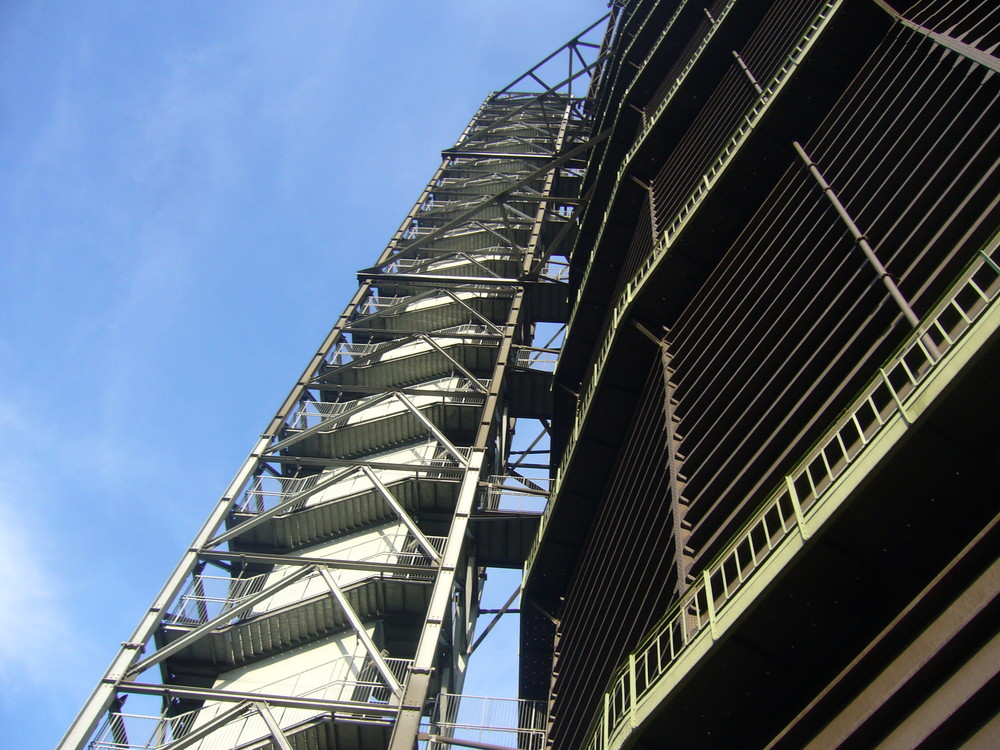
(188, 189)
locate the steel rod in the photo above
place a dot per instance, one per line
(862, 242)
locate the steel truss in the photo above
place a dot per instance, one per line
(350, 533)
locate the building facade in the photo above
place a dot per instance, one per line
(754, 500)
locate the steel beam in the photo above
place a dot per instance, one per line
(283, 701)
(415, 694)
(361, 633)
(432, 428)
(385, 465)
(403, 516)
(437, 280)
(272, 726)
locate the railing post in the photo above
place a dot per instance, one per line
(895, 397)
(749, 74)
(710, 604)
(606, 722)
(990, 262)
(793, 495)
(632, 693)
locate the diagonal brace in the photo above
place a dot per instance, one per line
(503, 239)
(272, 726)
(359, 630)
(400, 511)
(480, 385)
(433, 428)
(206, 729)
(490, 274)
(495, 620)
(172, 648)
(473, 311)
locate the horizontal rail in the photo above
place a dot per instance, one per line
(221, 725)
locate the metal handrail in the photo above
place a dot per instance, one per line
(556, 271)
(265, 491)
(509, 500)
(536, 359)
(329, 413)
(347, 352)
(500, 722)
(430, 259)
(208, 596)
(358, 682)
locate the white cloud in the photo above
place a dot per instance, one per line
(38, 647)
(34, 642)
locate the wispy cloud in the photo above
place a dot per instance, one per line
(35, 645)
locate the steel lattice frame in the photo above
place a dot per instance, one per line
(401, 424)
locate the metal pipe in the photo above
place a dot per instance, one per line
(283, 701)
(862, 242)
(750, 76)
